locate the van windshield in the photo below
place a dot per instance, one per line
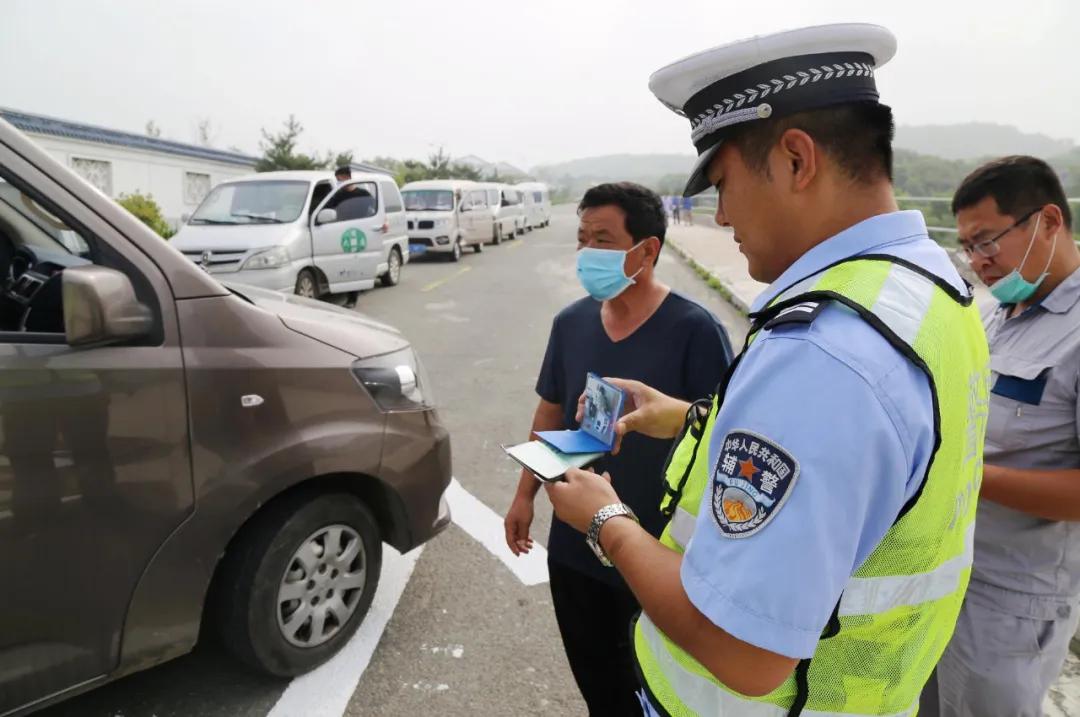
(428, 200)
(272, 202)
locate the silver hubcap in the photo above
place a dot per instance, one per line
(395, 267)
(321, 586)
(306, 287)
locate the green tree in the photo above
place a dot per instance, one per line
(280, 151)
(147, 211)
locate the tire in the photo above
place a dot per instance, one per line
(251, 614)
(477, 248)
(496, 235)
(307, 284)
(455, 255)
(393, 272)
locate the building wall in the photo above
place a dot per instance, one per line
(177, 183)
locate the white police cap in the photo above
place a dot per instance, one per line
(770, 76)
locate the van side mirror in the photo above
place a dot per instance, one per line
(465, 208)
(504, 203)
(326, 216)
(100, 307)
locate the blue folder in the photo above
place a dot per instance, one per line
(597, 432)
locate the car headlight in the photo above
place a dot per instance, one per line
(268, 259)
(442, 222)
(396, 381)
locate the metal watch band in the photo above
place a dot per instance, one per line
(592, 537)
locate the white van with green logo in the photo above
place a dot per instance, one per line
(300, 232)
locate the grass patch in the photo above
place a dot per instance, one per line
(710, 280)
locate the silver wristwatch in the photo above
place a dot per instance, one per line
(592, 537)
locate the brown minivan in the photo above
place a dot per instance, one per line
(175, 452)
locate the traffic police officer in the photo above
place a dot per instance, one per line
(1021, 608)
(822, 503)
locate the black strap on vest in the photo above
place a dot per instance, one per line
(802, 670)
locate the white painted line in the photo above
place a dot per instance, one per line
(326, 691)
(486, 527)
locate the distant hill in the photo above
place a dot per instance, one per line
(975, 140)
(619, 166)
(486, 168)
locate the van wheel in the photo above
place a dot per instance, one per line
(496, 235)
(307, 285)
(393, 272)
(455, 254)
(477, 248)
(298, 582)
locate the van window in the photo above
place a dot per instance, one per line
(493, 197)
(428, 200)
(391, 197)
(37, 244)
(476, 199)
(269, 202)
(538, 197)
(322, 189)
(355, 201)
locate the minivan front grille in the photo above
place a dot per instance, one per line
(425, 224)
(218, 259)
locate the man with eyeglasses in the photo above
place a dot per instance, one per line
(1021, 607)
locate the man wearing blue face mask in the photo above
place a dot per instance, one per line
(630, 325)
(1021, 607)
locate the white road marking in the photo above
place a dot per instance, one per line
(486, 527)
(326, 691)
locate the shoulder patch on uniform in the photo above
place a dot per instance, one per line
(803, 313)
(753, 479)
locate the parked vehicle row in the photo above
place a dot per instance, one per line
(179, 451)
(300, 232)
(448, 216)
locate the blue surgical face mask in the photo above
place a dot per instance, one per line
(1013, 287)
(601, 273)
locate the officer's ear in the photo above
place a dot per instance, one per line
(796, 155)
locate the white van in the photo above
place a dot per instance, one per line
(537, 204)
(507, 210)
(447, 215)
(299, 232)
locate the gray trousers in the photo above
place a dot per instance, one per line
(998, 663)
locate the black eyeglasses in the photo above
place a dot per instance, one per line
(989, 247)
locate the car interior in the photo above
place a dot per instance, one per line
(35, 248)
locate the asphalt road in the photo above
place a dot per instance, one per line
(467, 636)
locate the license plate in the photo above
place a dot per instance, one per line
(417, 248)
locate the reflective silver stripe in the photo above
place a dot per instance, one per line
(801, 288)
(681, 528)
(903, 302)
(870, 596)
(706, 698)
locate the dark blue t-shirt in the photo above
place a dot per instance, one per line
(681, 350)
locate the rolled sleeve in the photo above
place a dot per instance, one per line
(776, 587)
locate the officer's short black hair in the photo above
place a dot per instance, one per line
(643, 207)
(857, 136)
(1018, 183)
(343, 169)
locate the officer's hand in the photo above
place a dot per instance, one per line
(651, 413)
(580, 497)
(517, 523)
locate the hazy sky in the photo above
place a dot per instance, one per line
(524, 82)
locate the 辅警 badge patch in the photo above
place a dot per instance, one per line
(753, 478)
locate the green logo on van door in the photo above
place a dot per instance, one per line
(353, 240)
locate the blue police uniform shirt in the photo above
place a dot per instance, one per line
(839, 418)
